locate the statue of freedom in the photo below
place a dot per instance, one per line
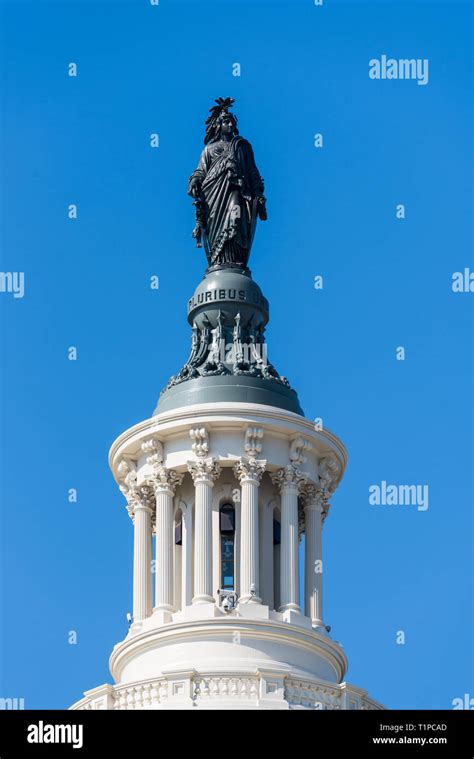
(228, 191)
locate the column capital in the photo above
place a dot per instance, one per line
(147, 498)
(139, 499)
(204, 470)
(313, 497)
(289, 478)
(312, 500)
(164, 480)
(249, 469)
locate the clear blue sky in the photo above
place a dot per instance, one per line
(387, 283)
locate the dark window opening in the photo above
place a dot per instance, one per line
(227, 528)
(276, 532)
(227, 516)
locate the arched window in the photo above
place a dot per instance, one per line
(227, 530)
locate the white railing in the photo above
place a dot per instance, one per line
(197, 690)
(214, 686)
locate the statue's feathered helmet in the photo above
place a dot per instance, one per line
(214, 120)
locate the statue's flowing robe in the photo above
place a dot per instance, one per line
(231, 185)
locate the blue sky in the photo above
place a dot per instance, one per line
(387, 283)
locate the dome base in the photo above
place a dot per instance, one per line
(195, 663)
(230, 388)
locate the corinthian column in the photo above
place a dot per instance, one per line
(249, 473)
(315, 508)
(204, 473)
(140, 510)
(164, 482)
(289, 481)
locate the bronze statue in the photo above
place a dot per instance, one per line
(228, 191)
(228, 312)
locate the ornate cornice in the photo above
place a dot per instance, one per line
(253, 438)
(154, 448)
(330, 472)
(200, 441)
(216, 415)
(298, 448)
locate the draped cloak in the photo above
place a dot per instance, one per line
(230, 188)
